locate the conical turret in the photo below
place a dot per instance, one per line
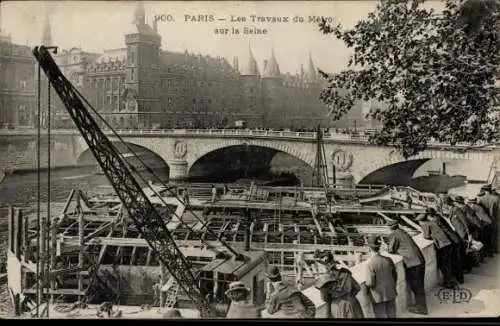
(272, 69)
(250, 69)
(311, 71)
(47, 32)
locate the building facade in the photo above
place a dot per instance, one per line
(17, 84)
(142, 86)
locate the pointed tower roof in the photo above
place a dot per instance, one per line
(139, 14)
(272, 69)
(47, 32)
(250, 69)
(311, 71)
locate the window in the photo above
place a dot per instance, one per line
(132, 74)
(22, 85)
(132, 56)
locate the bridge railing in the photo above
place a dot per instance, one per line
(357, 137)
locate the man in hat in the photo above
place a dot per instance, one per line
(485, 221)
(471, 218)
(458, 222)
(342, 288)
(444, 246)
(401, 243)
(240, 307)
(491, 204)
(286, 301)
(381, 281)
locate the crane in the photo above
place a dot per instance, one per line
(145, 217)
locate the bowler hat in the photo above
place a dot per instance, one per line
(472, 200)
(392, 223)
(322, 280)
(373, 241)
(431, 210)
(460, 199)
(237, 286)
(487, 187)
(273, 272)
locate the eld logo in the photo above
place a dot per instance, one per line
(455, 295)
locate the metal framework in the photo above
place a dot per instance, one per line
(145, 217)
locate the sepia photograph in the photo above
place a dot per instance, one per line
(250, 159)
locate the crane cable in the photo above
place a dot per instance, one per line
(225, 244)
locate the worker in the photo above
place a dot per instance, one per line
(457, 265)
(214, 193)
(491, 203)
(401, 243)
(485, 220)
(381, 281)
(185, 197)
(471, 218)
(286, 301)
(458, 222)
(240, 307)
(338, 288)
(444, 246)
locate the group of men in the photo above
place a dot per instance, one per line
(464, 233)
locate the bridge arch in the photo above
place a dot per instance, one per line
(252, 157)
(155, 161)
(414, 162)
(299, 152)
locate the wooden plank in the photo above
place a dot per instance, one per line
(288, 247)
(58, 291)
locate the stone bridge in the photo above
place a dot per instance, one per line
(354, 157)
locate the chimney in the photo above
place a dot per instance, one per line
(265, 65)
(155, 25)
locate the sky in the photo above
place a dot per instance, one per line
(98, 25)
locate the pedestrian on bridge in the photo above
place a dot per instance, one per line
(401, 243)
(491, 203)
(214, 193)
(381, 281)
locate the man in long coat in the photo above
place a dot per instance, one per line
(401, 243)
(491, 204)
(381, 281)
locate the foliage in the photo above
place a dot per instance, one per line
(433, 71)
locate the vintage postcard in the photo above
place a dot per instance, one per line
(249, 159)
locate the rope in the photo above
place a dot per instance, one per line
(38, 198)
(47, 229)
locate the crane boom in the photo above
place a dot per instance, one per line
(145, 217)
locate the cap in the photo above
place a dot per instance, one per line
(460, 199)
(472, 200)
(273, 272)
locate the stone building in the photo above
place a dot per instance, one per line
(142, 86)
(17, 84)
